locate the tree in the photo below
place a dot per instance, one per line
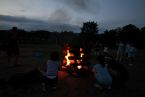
(142, 37)
(130, 33)
(88, 35)
(89, 27)
(109, 38)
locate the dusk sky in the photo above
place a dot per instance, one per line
(60, 15)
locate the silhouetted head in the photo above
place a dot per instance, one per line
(54, 56)
(101, 60)
(14, 28)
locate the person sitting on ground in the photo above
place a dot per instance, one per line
(118, 72)
(51, 72)
(101, 73)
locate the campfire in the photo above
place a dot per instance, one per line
(74, 61)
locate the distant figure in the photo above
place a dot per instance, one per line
(99, 49)
(131, 52)
(102, 75)
(38, 56)
(12, 45)
(106, 51)
(120, 52)
(51, 74)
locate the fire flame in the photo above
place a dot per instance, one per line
(79, 66)
(81, 53)
(69, 61)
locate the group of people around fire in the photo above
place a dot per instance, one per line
(108, 71)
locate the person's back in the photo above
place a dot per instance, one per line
(118, 72)
(52, 68)
(51, 74)
(102, 75)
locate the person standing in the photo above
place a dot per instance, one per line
(12, 46)
(131, 53)
(120, 52)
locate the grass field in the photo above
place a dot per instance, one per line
(68, 86)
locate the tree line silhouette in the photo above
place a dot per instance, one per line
(87, 37)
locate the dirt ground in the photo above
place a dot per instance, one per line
(68, 86)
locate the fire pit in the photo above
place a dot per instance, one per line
(75, 61)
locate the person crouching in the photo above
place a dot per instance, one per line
(102, 75)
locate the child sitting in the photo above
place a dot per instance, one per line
(51, 74)
(101, 73)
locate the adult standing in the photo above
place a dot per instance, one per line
(131, 53)
(120, 52)
(12, 46)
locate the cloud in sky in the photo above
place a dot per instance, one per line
(60, 16)
(32, 24)
(47, 13)
(86, 6)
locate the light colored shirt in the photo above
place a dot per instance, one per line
(102, 75)
(120, 47)
(131, 51)
(52, 68)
